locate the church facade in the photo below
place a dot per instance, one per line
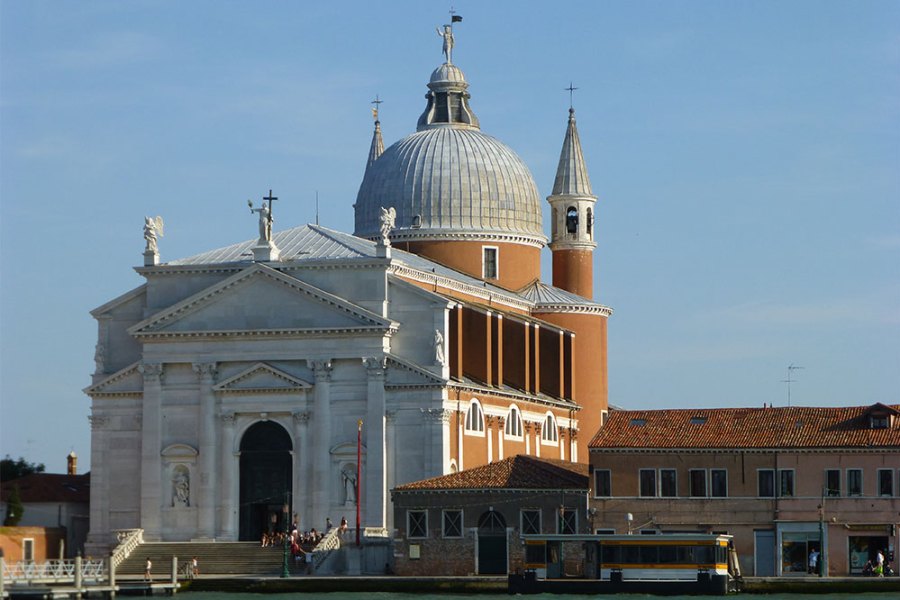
(303, 373)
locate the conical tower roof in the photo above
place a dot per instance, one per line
(571, 174)
(377, 147)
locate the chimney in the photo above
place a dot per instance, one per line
(72, 462)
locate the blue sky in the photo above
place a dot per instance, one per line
(746, 156)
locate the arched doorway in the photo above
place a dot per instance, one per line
(265, 479)
(492, 544)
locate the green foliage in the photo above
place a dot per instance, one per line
(13, 469)
(14, 508)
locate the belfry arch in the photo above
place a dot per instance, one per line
(265, 479)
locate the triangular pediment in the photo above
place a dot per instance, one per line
(126, 382)
(261, 378)
(263, 301)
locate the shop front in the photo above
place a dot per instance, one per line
(863, 544)
(797, 541)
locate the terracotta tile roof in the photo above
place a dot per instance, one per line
(516, 472)
(50, 487)
(787, 427)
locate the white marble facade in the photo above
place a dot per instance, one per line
(206, 348)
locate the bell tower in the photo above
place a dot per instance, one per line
(572, 209)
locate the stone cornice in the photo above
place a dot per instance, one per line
(95, 390)
(443, 235)
(269, 333)
(605, 311)
(520, 396)
(491, 295)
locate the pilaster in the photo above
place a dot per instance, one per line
(321, 452)
(151, 436)
(437, 432)
(228, 489)
(208, 488)
(99, 536)
(375, 491)
(302, 451)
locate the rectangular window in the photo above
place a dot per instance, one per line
(531, 521)
(28, 546)
(718, 479)
(854, 482)
(765, 483)
(885, 482)
(698, 483)
(602, 483)
(832, 482)
(786, 482)
(668, 483)
(490, 268)
(568, 521)
(452, 524)
(648, 483)
(417, 523)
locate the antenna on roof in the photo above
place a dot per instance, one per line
(317, 207)
(790, 369)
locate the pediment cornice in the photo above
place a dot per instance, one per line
(101, 387)
(366, 321)
(243, 383)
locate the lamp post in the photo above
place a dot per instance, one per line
(287, 537)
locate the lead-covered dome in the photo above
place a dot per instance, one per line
(450, 181)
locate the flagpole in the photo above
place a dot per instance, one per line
(358, 460)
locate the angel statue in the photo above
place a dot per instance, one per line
(388, 220)
(153, 229)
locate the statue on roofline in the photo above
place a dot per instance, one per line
(153, 229)
(388, 222)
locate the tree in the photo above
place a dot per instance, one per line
(14, 508)
(13, 469)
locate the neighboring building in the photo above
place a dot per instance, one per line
(229, 386)
(783, 481)
(54, 521)
(471, 522)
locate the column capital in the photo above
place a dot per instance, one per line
(390, 416)
(301, 418)
(205, 369)
(151, 371)
(227, 419)
(436, 415)
(375, 365)
(98, 421)
(321, 367)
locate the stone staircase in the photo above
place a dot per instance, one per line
(214, 558)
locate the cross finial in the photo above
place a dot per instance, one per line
(376, 102)
(271, 199)
(571, 89)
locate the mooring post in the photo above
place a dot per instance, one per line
(78, 577)
(2, 569)
(112, 577)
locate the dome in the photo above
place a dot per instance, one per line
(450, 181)
(447, 182)
(447, 73)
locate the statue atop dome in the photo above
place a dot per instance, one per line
(447, 34)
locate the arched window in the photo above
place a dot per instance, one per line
(548, 431)
(572, 220)
(475, 417)
(513, 423)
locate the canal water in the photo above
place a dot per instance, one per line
(389, 596)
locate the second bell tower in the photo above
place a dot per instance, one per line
(572, 209)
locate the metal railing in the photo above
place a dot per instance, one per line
(54, 571)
